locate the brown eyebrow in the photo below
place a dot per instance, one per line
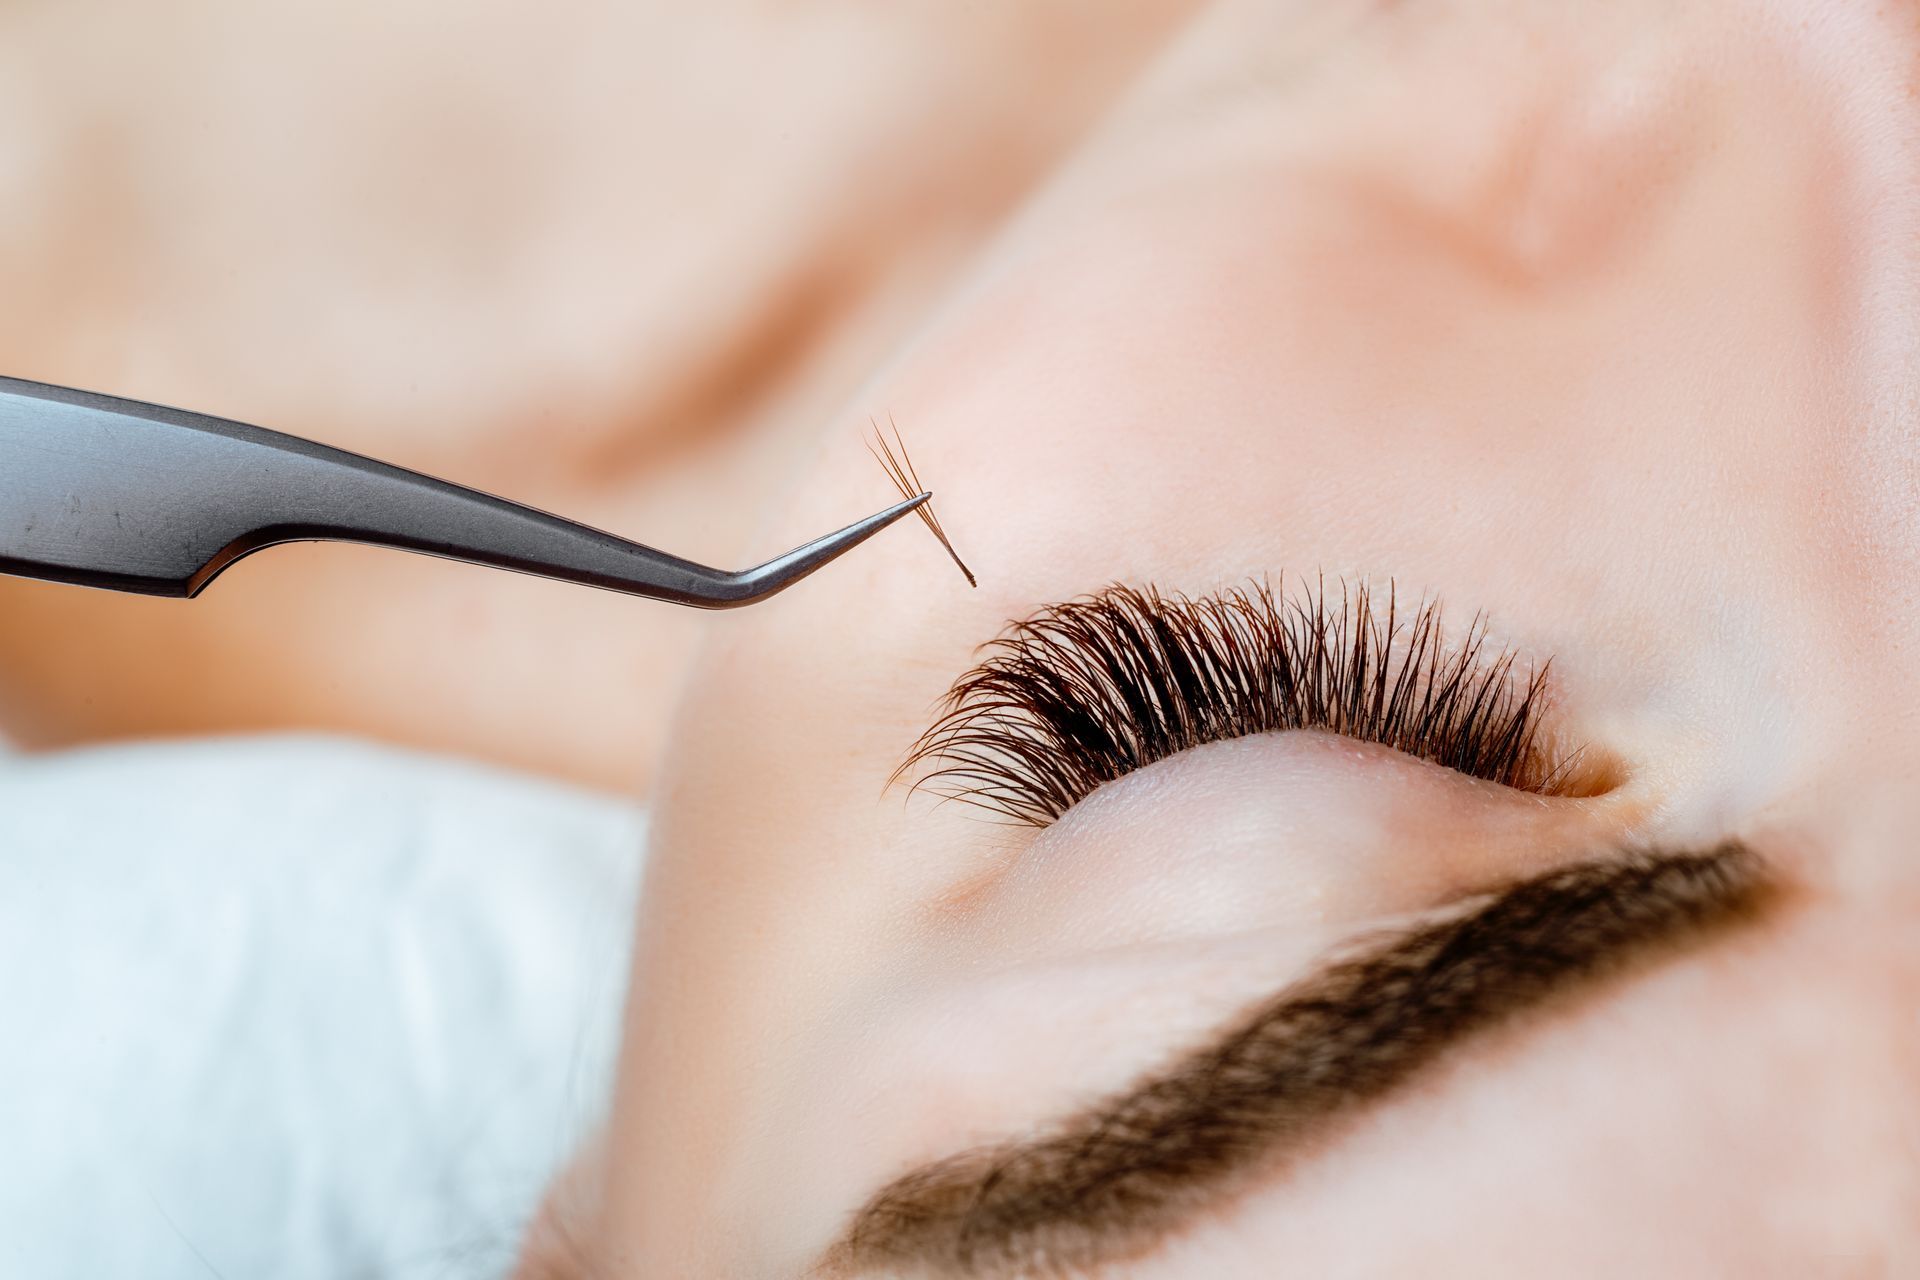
(1111, 1182)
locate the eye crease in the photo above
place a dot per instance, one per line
(1084, 693)
(1134, 1167)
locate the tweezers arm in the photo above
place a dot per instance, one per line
(136, 497)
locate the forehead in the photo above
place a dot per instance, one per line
(1642, 1139)
(1625, 369)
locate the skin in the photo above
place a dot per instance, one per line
(1600, 320)
(566, 255)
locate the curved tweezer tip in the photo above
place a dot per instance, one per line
(118, 494)
(776, 575)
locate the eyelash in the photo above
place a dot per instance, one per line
(1086, 692)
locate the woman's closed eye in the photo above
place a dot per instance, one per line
(1084, 693)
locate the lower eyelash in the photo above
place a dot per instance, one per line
(1086, 692)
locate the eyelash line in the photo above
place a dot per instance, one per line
(1085, 692)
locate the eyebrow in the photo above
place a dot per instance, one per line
(1116, 1179)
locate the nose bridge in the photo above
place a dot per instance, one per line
(1862, 793)
(1838, 1050)
(1848, 833)
(1876, 854)
(1843, 672)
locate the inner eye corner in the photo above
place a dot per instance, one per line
(1579, 770)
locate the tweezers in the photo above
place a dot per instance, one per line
(103, 492)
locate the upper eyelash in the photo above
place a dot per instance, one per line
(1084, 693)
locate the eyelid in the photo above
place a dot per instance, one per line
(1133, 1168)
(1086, 692)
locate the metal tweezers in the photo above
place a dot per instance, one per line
(104, 492)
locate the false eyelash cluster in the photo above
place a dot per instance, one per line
(1086, 692)
(900, 470)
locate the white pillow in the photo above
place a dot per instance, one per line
(296, 1007)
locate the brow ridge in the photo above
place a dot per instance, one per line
(1117, 1178)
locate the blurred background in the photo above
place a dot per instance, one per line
(315, 892)
(615, 260)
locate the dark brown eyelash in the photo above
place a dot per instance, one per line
(1086, 692)
(907, 481)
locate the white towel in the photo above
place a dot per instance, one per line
(296, 1007)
